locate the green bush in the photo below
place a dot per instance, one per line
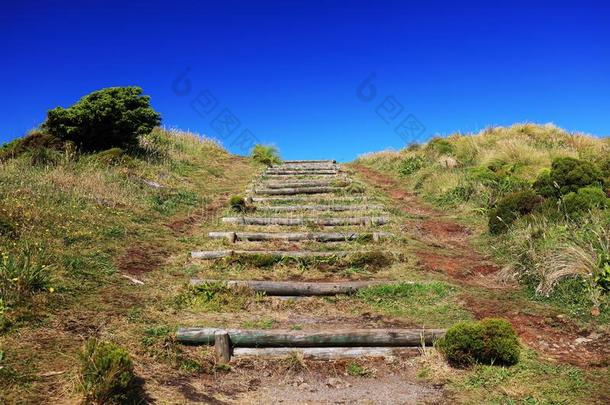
(410, 165)
(440, 146)
(544, 185)
(489, 341)
(511, 207)
(237, 203)
(104, 119)
(23, 273)
(585, 199)
(569, 175)
(106, 373)
(266, 154)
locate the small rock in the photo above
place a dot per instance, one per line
(581, 340)
(304, 386)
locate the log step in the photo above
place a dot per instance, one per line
(323, 207)
(302, 172)
(305, 183)
(328, 161)
(217, 254)
(297, 190)
(312, 198)
(306, 221)
(298, 236)
(325, 353)
(297, 288)
(335, 338)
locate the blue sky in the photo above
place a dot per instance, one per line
(319, 79)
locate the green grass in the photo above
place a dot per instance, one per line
(430, 304)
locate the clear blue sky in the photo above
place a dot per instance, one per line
(292, 72)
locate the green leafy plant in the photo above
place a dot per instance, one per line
(585, 199)
(266, 154)
(107, 374)
(237, 203)
(107, 118)
(29, 144)
(410, 165)
(511, 207)
(440, 146)
(489, 341)
(569, 174)
(111, 157)
(357, 370)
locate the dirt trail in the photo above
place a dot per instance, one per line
(448, 250)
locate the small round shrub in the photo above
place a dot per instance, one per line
(511, 207)
(544, 185)
(104, 119)
(106, 373)
(237, 203)
(585, 199)
(571, 174)
(410, 165)
(440, 146)
(32, 144)
(489, 341)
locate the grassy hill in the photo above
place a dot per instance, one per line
(74, 227)
(491, 181)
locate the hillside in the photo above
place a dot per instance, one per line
(135, 248)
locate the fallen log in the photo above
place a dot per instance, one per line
(297, 236)
(326, 353)
(218, 254)
(335, 338)
(306, 221)
(323, 207)
(297, 288)
(299, 190)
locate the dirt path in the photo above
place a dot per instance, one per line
(448, 250)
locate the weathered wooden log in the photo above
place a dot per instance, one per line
(297, 288)
(335, 338)
(297, 236)
(326, 353)
(313, 198)
(304, 183)
(309, 161)
(322, 207)
(299, 190)
(303, 172)
(306, 221)
(218, 254)
(222, 346)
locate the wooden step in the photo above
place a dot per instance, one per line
(298, 236)
(218, 254)
(303, 172)
(327, 338)
(303, 183)
(312, 198)
(323, 207)
(326, 353)
(262, 221)
(297, 288)
(309, 161)
(296, 191)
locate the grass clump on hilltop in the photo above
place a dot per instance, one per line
(538, 192)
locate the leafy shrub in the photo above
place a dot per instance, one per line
(104, 119)
(410, 165)
(489, 341)
(44, 157)
(585, 199)
(22, 274)
(440, 146)
(571, 174)
(511, 207)
(266, 154)
(7, 228)
(107, 374)
(237, 203)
